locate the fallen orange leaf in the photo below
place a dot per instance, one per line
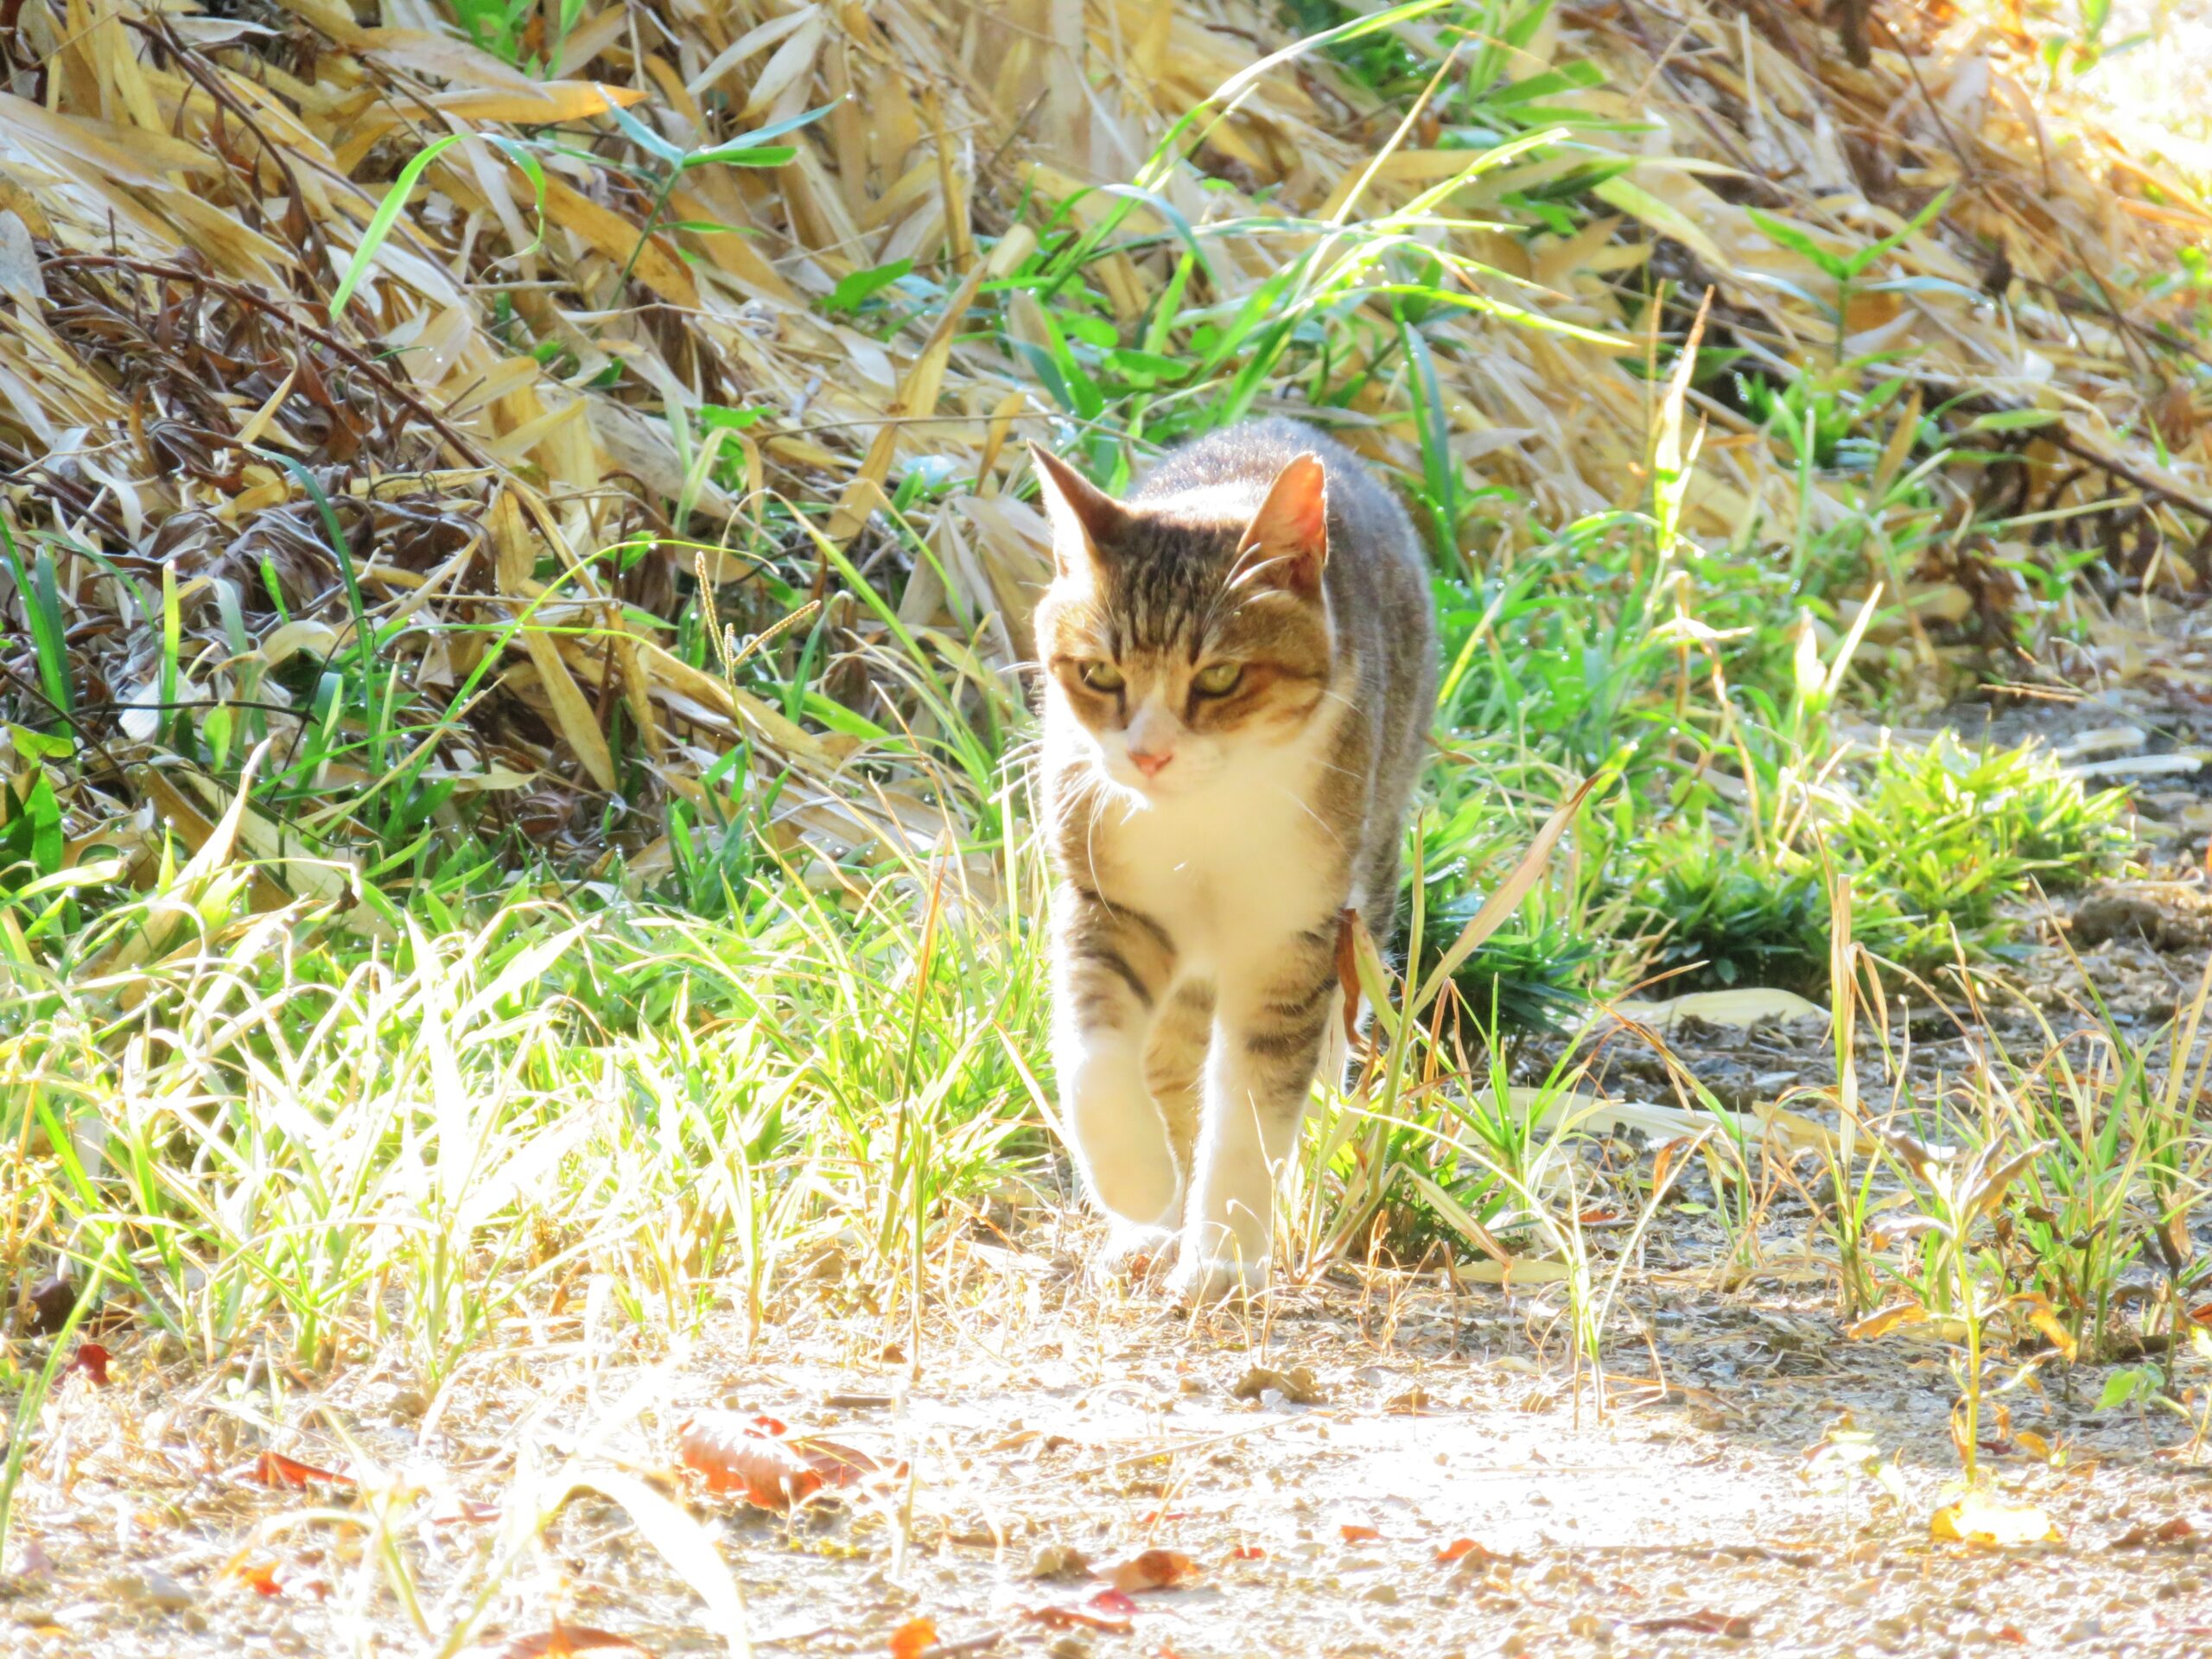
(563, 1639)
(1110, 1600)
(275, 1469)
(1248, 1553)
(737, 1453)
(1887, 1319)
(1459, 1547)
(258, 1576)
(1358, 1534)
(1153, 1569)
(909, 1640)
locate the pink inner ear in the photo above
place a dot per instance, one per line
(1295, 519)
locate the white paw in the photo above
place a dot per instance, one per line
(1132, 1250)
(1203, 1280)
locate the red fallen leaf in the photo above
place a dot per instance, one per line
(908, 1641)
(1248, 1553)
(91, 1359)
(1458, 1548)
(1153, 1569)
(2011, 1633)
(1160, 1517)
(1113, 1601)
(275, 1469)
(1733, 1625)
(1074, 1618)
(1358, 1534)
(1165, 1651)
(565, 1639)
(741, 1455)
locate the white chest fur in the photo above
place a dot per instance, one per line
(1235, 867)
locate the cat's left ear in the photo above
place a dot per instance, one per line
(1084, 518)
(1287, 542)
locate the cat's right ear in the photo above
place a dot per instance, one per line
(1084, 518)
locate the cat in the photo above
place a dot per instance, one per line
(1239, 667)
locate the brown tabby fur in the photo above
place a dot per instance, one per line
(1206, 837)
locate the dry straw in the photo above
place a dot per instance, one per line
(198, 452)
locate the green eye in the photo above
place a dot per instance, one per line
(1100, 677)
(1219, 679)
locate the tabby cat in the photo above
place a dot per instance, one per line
(1239, 670)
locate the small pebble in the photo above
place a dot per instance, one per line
(150, 1589)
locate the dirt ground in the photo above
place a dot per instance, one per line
(1051, 1426)
(1755, 1483)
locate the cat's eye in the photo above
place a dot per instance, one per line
(1100, 677)
(1219, 679)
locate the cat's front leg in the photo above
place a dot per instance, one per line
(1272, 1026)
(1111, 968)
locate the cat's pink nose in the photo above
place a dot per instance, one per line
(1150, 764)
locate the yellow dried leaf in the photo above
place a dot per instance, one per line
(2061, 1337)
(456, 62)
(1984, 1518)
(550, 103)
(1518, 1270)
(616, 238)
(1875, 1325)
(571, 712)
(1750, 1005)
(127, 155)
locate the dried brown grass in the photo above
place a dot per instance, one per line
(187, 190)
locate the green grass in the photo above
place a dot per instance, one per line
(281, 1130)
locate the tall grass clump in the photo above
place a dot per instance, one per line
(297, 1126)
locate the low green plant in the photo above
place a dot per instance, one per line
(1951, 1270)
(1725, 915)
(1951, 832)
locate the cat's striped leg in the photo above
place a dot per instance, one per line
(1175, 1064)
(1112, 966)
(1272, 1023)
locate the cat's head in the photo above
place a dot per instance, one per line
(1186, 635)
